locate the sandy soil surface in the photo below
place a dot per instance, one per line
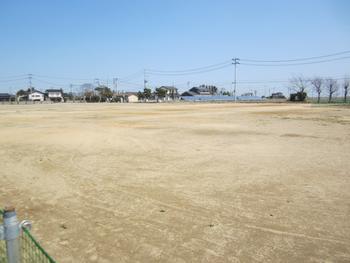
(180, 182)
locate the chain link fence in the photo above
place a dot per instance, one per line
(30, 249)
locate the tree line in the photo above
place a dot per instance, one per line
(328, 86)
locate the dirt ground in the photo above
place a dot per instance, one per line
(180, 182)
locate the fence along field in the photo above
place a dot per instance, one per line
(30, 251)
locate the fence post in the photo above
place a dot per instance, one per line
(12, 234)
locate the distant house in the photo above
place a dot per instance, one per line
(189, 93)
(277, 95)
(249, 98)
(299, 96)
(203, 93)
(129, 97)
(203, 90)
(248, 94)
(36, 95)
(6, 97)
(200, 91)
(55, 95)
(171, 92)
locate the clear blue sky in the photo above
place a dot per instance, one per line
(106, 39)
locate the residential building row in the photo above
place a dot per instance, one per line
(32, 94)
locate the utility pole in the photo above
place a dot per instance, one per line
(144, 79)
(71, 92)
(115, 83)
(30, 76)
(231, 90)
(235, 62)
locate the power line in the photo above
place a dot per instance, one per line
(190, 72)
(267, 81)
(128, 82)
(214, 67)
(243, 82)
(296, 64)
(298, 59)
(53, 77)
(48, 82)
(13, 80)
(132, 76)
(228, 62)
(14, 77)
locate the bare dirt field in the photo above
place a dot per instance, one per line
(180, 182)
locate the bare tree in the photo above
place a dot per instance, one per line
(317, 84)
(346, 88)
(299, 84)
(332, 87)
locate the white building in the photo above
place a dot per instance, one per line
(36, 95)
(171, 93)
(131, 98)
(55, 94)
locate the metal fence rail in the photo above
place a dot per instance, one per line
(30, 250)
(2, 243)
